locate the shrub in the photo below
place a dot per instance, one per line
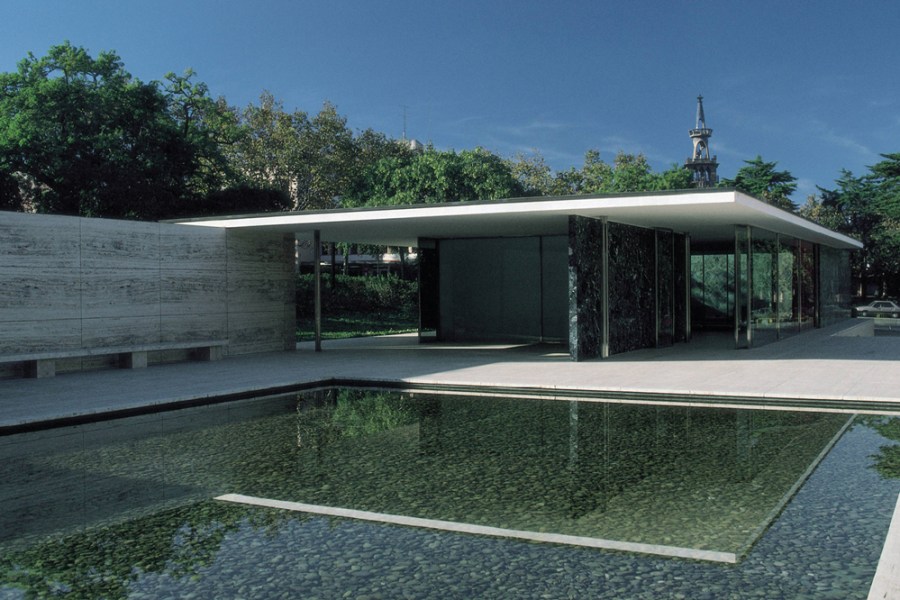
(359, 294)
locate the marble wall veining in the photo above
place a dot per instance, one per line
(587, 293)
(632, 288)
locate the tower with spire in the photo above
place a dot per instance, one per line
(700, 163)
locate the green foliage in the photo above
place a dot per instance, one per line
(361, 294)
(628, 173)
(10, 198)
(887, 461)
(354, 325)
(867, 208)
(435, 176)
(534, 175)
(358, 305)
(243, 198)
(101, 562)
(268, 144)
(364, 412)
(760, 179)
(313, 161)
(81, 136)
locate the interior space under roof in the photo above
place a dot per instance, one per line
(705, 215)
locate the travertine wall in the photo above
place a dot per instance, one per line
(68, 283)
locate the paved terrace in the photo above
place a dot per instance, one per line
(817, 368)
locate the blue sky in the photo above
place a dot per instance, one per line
(813, 85)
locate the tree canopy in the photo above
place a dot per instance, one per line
(627, 173)
(867, 207)
(79, 135)
(761, 180)
(435, 176)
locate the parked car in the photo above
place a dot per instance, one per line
(879, 308)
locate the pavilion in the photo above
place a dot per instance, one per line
(603, 273)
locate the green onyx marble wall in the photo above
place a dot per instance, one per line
(587, 265)
(665, 287)
(632, 288)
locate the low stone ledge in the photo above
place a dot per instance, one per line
(43, 364)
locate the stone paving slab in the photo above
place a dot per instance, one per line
(815, 366)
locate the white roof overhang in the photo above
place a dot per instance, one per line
(706, 215)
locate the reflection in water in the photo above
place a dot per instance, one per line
(677, 476)
(101, 510)
(887, 461)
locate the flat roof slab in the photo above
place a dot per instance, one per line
(706, 215)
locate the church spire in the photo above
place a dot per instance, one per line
(701, 164)
(701, 120)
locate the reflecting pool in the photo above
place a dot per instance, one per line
(775, 503)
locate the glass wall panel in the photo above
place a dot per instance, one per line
(742, 265)
(712, 288)
(788, 288)
(489, 289)
(681, 268)
(835, 285)
(429, 308)
(763, 289)
(554, 288)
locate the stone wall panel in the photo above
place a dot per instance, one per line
(184, 292)
(119, 292)
(69, 283)
(107, 244)
(39, 294)
(587, 303)
(38, 242)
(119, 331)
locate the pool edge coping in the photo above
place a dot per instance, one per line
(484, 530)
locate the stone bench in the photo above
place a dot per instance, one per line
(43, 364)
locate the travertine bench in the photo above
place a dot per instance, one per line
(43, 364)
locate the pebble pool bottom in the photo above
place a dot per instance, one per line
(126, 508)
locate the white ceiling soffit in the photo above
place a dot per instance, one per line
(704, 215)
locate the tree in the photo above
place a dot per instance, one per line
(534, 176)
(209, 126)
(268, 147)
(313, 161)
(760, 179)
(243, 199)
(324, 170)
(435, 176)
(628, 173)
(81, 136)
(885, 254)
(867, 208)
